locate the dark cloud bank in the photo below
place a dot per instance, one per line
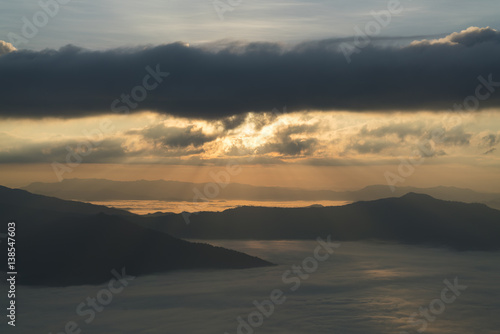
(237, 78)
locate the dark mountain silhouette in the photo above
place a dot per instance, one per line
(440, 192)
(21, 199)
(103, 190)
(413, 218)
(58, 244)
(64, 243)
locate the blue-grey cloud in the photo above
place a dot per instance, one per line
(73, 82)
(175, 137)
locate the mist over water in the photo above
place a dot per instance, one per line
(143, 207)
(361, 288)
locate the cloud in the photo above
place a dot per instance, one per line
(417, 129)
(491, 150)
(401, 130)
(257, 77)
(468, 37)
(175, 137)
(232, 122)
(408, 135)
(334, 137)
(456, 136)
(372, 146)
(284, 144)
(110, 150)
(490, 140)
(6, 48)
(292, 147)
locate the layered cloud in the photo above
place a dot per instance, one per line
(468, 37)
(327, 138)
(211, 84)
(175, 137)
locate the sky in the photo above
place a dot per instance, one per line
(105, 24)
(344, 94)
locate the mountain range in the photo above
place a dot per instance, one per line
(412, 219)
(61, 243)
(107, 190)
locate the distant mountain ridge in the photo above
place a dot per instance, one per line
(412, 218)
(61, 243)
(64, 243)
(106, 190)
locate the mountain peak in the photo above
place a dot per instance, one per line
(417, 196)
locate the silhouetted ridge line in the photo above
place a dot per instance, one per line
(413, 218)
(59, 244)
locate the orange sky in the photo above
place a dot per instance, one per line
(307, 177)
(327, 150)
